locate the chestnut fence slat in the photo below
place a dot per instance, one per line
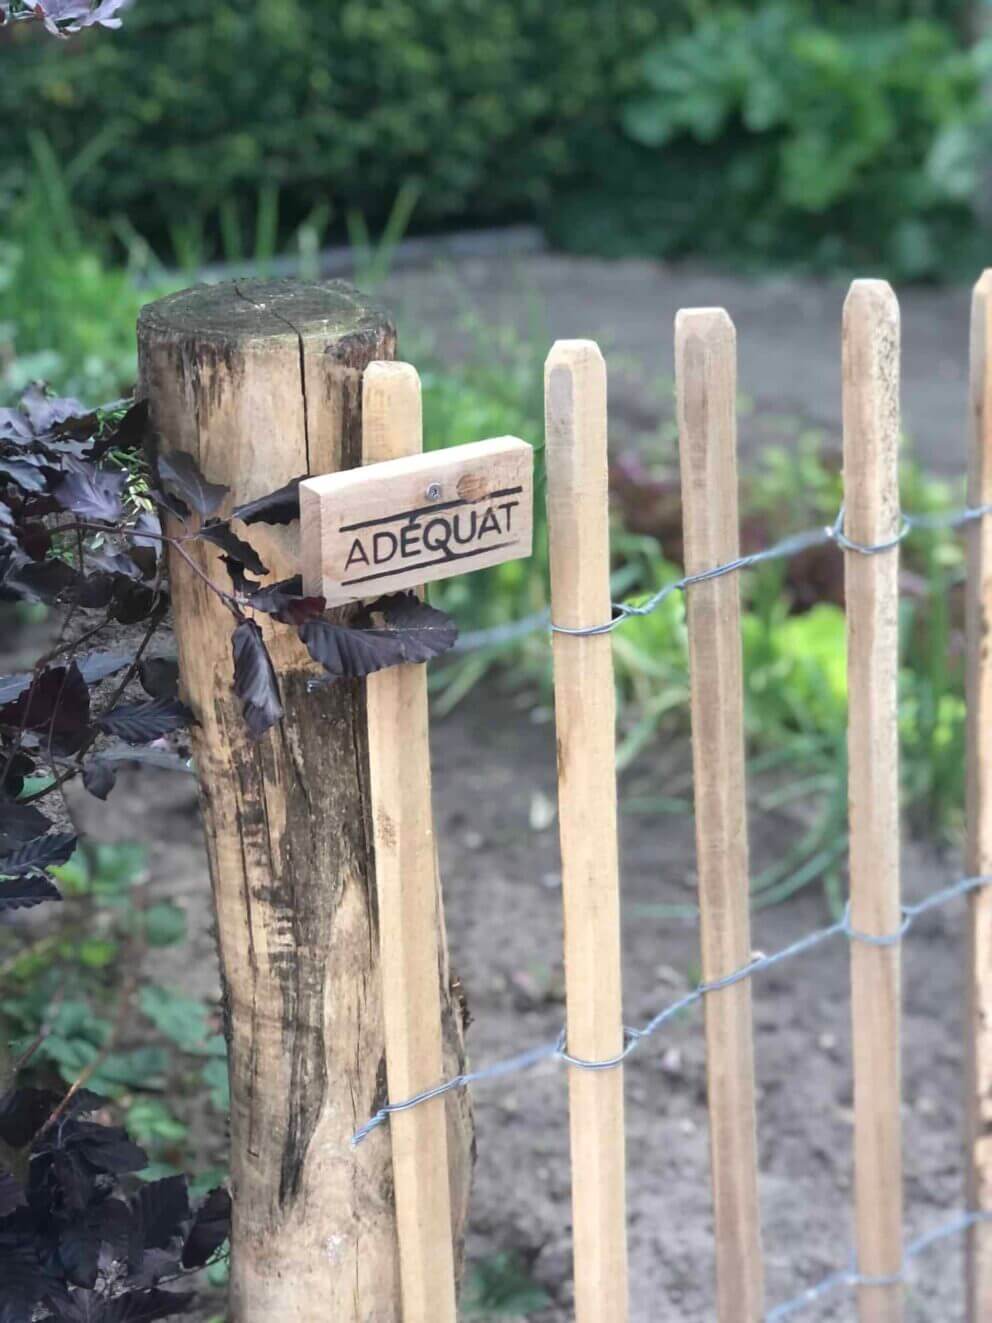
(978, 810)
(706, 398)
(407, 890)
(872, 518)
(579, 543)
(595, 1041)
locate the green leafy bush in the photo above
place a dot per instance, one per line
(486, 103)
(790, 130)
(768, 131)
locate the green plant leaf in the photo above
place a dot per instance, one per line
(165, 924)
(500, 1286)
(183, 1020)
(215, 1077)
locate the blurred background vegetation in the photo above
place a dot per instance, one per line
(831, 133)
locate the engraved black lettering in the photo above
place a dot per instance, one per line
(464, 526)
(410, 541)
(490, 524)
(509, 507)
(356, 556)
(439, 540)
(384, 546)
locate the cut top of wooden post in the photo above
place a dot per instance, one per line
(409, 521)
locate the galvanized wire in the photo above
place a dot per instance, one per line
(633, 1037)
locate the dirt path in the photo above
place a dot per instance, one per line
(788, 338)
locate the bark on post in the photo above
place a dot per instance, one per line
(261, 382)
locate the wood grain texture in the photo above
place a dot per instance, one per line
(407, 888)
(978, 849)
(706, 387)
(261, 381)
(872, 515)
(579, 542)
(415, 519)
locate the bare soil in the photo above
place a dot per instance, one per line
(494, 789)
(788, 333)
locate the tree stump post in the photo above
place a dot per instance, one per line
(261, 382)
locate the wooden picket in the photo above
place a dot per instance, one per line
(706, 397)
(579, 543)
(406, 884)
(978, 856)
(578, 519)
(872, 517)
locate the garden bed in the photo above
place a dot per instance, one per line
(494, 790)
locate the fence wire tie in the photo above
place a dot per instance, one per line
(631, 1037)
(788, 546)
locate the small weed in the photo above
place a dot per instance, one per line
(501, 1287)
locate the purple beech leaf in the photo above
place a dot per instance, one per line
(140, 723)
(347, 652)
(179, 473)
(278, 507)
(112, 561)
(20, 823)
(177, 508)
(58, 702)
(23, 893)
(99, 777)
(15, 427)
(286, 603)
(11, 1194)
(239, 580)
(412, 632)
(97, 666)
(23, 861)
(14, 770)
(27, 476)
(35, 539)
(127, 435)
(234, 547)
(255, 680)
(147, 530)
(42, 581)
(164, 1207)
(23, 1112)
(136, 601)
(45, 412)
(211, 1227)
(93, 667)
(12, 686)
(159, 676)
(423, 630)
(93, 592)
(90, 492)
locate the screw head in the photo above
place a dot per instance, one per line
(434, 491)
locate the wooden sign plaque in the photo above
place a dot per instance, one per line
(404, 522)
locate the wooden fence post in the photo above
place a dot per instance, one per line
(978, 856)
(408, 888)
(579, 543)
(872, 516)
(260, 382)
(706, 389)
